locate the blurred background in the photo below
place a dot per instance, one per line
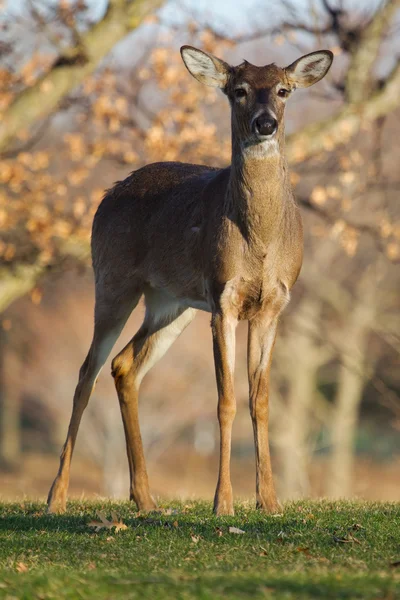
(93, 89)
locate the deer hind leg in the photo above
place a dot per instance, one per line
(164, 321)
(260, 345)
(109, 322)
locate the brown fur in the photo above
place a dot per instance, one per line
(187, 236)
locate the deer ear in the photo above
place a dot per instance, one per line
(205, 67)
(310, 68)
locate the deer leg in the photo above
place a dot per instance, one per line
(223, 329)
(128, 369)
(106, 332)
(260, 345)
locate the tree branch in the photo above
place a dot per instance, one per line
(359, 82)
(19, 279)
(43, 97)
(341, 127)
(16, 282)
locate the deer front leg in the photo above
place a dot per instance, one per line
(223, 329)
(260, 344)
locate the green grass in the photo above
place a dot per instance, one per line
(313, 550)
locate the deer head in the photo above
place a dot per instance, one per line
(257, 94)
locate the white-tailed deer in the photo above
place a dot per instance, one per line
(187, 237)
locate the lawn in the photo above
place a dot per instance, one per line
(312, 550)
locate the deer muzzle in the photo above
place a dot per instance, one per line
(264, 125)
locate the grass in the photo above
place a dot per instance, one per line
(313, 550)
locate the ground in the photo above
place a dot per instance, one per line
(312, 550)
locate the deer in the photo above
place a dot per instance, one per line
(189, 237)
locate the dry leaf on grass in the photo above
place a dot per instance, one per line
(396, 563)
(346, 539)
(264, 551)
(104, 523)
(349, 538)
(356, 527)
(304, 550)
(236, 530)
(195, 538)
(21, 567)
(166, 511)
(281, 536)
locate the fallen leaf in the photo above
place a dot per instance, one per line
(264, 551)
(175, 524)
(281, 535)
(166, 511)
(195, 538)
(219, 532)
(236, 530)
(396, 563)
(104, 523)
(346, 539)
(305, 551)
(21, 567)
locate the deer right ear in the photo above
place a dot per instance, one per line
(310, 68)
(205, 67)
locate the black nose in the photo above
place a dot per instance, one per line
(265, 125)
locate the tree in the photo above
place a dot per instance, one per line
(73, 121)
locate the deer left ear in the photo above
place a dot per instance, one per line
(205, 67)
(309, 69)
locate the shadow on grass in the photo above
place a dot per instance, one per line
(206, 527)
(207, 586)
(20, 523)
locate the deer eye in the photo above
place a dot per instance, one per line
(240, 93)
(283, 93)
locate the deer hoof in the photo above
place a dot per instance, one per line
(144, 504)
(223, 508)
(269, 506)
(57, 499)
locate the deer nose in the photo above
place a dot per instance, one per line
(265, 125)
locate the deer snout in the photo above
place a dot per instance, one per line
(265, 124)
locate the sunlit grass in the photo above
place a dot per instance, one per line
(312, 550)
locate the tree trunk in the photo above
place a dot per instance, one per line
(303, 368)
(10, 418)
(351, 381)
(345, 418)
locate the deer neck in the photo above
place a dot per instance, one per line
(258, 188)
